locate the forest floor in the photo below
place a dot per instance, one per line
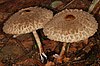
(23, 50)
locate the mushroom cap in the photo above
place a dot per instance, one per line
(27, 20)
(70, 26)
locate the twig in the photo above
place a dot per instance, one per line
(67, 4)
(80, 61)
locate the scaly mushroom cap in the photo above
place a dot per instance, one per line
(26, 20)
(71, 26)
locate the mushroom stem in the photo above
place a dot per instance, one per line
(63, 49)
(38, 41)
(60, 57)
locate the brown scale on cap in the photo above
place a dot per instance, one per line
(26, 20)
(71, 26)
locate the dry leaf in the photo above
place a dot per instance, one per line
(98, 55)
(1, 64)
(2, 36)
(50, 44)
(66, 59)
(28, 62)
(14, 5)
(72, 49)
(58, 58)
(57, 5)
(50, 63)
(3, 16)
(28, 44)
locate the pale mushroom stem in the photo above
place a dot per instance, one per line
(60, 57)
(38, 41)
(42, 54)
(63, 49)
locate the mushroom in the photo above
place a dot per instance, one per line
(70, 25)
(28, 20)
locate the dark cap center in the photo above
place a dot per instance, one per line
(69, 17)
(27, 10)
